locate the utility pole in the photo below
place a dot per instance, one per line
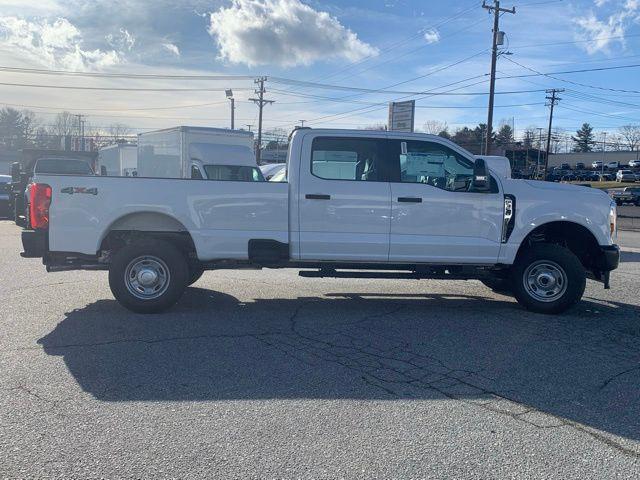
(302, 123)
(261, 102)
(80, 130)
(553, 101)
(539, 148)
(604, 148)
(497, 39)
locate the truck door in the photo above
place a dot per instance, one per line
(436, 218)
(344, 199)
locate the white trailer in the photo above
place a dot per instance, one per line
(120, 160)
(192, 152)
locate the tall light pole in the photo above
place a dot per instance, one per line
(229, 94)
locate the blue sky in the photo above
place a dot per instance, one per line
(415, 45)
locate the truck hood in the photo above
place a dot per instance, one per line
(565, 189)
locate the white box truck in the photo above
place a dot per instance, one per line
(198, 153)
(120, 160)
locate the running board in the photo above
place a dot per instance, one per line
(414, 275)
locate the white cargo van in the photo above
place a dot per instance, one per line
(120, 160)
(198, 153)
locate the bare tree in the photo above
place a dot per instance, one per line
(119, 131)
(65, 123)
(434, 127)
(631, 134)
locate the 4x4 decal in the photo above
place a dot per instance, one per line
(72, 190)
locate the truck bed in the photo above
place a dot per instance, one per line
(221, 216)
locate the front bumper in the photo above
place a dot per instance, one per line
(609, 258)
(34, 243)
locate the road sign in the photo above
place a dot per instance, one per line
(402, 116)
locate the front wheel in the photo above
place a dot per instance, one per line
(148, 277)
(548, 278)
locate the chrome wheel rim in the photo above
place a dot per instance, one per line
(545, 281)
(147, 277)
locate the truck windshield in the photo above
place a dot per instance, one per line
(235, 173)
(63, 166)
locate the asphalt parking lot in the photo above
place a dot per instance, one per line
(266, 374)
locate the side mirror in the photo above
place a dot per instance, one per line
(15, 172)
(103, 170)
(481, 179)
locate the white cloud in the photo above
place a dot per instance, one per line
(171, 48)
(282, 32)
(123, 41)
(600, 32)
(432, 36)
(57, 44)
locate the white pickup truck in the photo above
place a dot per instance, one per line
(356, 204)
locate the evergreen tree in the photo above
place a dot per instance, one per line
(584, 139)
(505, 136)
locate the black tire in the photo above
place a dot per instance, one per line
(570, 281)
(163, 260)
(195, 274)
(498, 285)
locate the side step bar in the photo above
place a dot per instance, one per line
(412, 275)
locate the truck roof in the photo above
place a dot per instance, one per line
(187, 128)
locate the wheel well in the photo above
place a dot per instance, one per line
(148, 226)
(573, 236)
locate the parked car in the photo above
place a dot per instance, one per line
(626, 176)
(569, 178)
(612, 165)
(565, 166)
(5, 187)
(596, 165)
(606, 177)
(626, 195)
(281, 176)
(634, 163)
(331, 218)
(580, 166)
(271, 169)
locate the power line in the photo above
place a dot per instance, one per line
(126, 89)
(585, 70)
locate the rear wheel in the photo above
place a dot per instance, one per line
(148, 277)
(548, 278)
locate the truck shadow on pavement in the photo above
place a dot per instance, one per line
(578, 370)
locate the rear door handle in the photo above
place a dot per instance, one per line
(317, 196)
(410, 199)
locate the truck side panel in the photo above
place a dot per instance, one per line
(220, 216)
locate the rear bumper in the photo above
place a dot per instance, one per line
(34, 243)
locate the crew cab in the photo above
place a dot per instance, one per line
(357, 204)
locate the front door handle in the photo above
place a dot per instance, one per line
(317, 196)
(410, 199)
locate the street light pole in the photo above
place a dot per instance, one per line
(229, 93)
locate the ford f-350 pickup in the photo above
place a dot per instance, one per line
(355, 204)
